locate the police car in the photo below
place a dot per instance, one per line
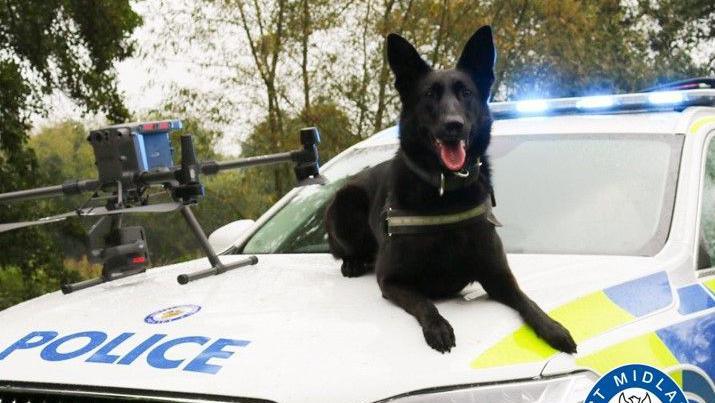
(608, 208)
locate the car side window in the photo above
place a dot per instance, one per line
(706, 251)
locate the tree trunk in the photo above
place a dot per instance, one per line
(384, 74)
(305, 40)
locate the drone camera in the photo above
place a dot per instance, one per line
(133, 147)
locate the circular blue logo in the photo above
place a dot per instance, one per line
(636, 383)
(171, 314)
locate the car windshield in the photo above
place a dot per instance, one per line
(561, 194)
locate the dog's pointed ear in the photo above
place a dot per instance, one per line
(405, 62)
(478, 58)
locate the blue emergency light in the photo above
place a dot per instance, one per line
(605, 104)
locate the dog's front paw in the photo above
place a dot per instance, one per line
(355, 268)
(558, 337)
(439, 334)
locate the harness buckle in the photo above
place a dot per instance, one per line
(441, 184)
(462, 173)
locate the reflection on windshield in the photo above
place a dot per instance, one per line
(585, 194)
(298, 227)
(561, 194)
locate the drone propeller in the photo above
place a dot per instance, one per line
(93, 212)
(41, 221)
(149, 208)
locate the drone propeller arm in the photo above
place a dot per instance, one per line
(67, 188)
(307, 159)
(214, 167)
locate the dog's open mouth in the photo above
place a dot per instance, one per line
(452, 153)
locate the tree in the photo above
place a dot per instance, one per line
(260, 190)
(56, 45)
(70, 46)
(63, 153)
(301, 50)
(271, 60)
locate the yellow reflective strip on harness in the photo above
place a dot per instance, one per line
(646, 349)
(700, 123)
(437, 219)
(585, 317)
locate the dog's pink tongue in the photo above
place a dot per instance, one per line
(452, 155)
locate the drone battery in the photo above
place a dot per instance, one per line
(152, 141)
(153, 150)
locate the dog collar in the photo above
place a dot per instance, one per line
(406, 222)
(449, 182)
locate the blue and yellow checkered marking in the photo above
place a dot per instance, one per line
(710, 284)
(692, 342)
(695, 126)
(642, 296)
(585, 317)
(694, 298)
(689, 342)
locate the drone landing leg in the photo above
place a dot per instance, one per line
(217, 266)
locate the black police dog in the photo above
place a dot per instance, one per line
(440, 169)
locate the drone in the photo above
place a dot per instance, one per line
(133, 160)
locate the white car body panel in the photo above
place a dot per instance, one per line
(311, 331)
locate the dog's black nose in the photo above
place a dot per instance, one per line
(454, 124)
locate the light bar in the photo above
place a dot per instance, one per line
(605, 104)
(666, 97)
(595, 102)
(532, 106)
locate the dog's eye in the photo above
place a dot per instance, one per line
(430, 93)
(466, 92)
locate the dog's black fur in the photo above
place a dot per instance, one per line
(446, 106)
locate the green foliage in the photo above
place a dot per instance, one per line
(13, 286)
(15, 159)
(266, 185)
(70, 45)
(565, 48)
(55, 45)
(17, 286)
(64, 152)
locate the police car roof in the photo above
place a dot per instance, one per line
(668, 112)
